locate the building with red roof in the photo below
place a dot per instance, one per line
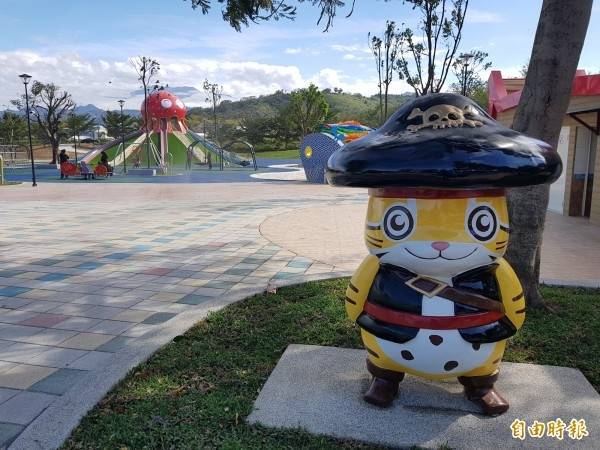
(575, 193)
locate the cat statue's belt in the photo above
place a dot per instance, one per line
(431, 287)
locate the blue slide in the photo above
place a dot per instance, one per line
(213, 148)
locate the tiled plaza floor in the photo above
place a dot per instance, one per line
(82, 282)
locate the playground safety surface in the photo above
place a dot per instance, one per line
(94, 279)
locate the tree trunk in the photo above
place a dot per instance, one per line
(385, 110)
(54, 143)
(558, 41)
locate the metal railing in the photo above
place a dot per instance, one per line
(15, 158)
(222, 154)
(247, 144)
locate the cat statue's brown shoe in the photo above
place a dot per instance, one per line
(381, 392)
(480, 390)
(384, 386)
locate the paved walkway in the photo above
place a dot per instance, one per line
(90, 288)
(570, 251)
(93, 279)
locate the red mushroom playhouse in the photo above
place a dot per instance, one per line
(164, 113)
(172, 143)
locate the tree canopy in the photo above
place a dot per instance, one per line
(242, 12)
(12, 128)
(308, 108)
(112, 121)
(76, 124)
(426, 56)
(48, 105)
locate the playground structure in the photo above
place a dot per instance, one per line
(165, 140)
(316, 148)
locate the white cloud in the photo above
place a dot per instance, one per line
(292, 51)
(102, 82)
(353, 57)
(480, 16)
(507, 72)
(351, 48)
(331, 78)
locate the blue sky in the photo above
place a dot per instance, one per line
(84, 46)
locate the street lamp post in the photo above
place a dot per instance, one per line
(465, 61)
(121, 103)
(26, 79)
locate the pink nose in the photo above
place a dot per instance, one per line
(440, 245)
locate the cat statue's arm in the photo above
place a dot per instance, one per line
(511, 293)
(360, 285)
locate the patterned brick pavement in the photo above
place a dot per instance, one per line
(82, 282)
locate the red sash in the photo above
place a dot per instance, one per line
(394, 317)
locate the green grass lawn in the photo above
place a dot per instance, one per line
(197, 391)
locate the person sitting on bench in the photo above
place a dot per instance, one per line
(85, 170)
(63, 158)
(104, 162)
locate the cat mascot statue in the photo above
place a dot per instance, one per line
(435, 298)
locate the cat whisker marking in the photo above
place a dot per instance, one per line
(372, 242)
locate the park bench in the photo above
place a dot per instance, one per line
(101, 171)
(69, 169)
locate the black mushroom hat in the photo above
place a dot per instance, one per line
(443, 141)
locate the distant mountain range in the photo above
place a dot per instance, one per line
(92, 110)
(180, 91)
(98, 113)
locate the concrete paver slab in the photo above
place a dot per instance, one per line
(320, 389)
(5, 394)
(86, 341)
(24, 407)
(57, 357)
(8, 432)
(58, 382)
(22, 376)
(93, 360)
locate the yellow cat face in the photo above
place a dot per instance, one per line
(437, 237)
